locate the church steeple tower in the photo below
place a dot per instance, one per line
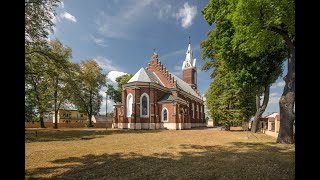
(189, 69)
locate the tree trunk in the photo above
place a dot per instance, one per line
(287, 100)
(90, 120)
(260, 109)
(90, 110)
(256, 120)
(227, 127)
(56, 119)
(41, 120)
(55, 104)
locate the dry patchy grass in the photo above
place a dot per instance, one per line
(156, 154)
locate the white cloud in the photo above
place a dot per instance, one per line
(112, 75)
(119, 24)
(62, 5)
(105, 63)
(98, 41)
(273, 94)
(68, 16)
(281, 84)
(55, 19)
(186, 14)
(110, 104)
(274, 100)
(204, 98)
(165, 12)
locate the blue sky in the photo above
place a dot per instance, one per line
(121, 35)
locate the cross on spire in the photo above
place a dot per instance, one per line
(189, 40)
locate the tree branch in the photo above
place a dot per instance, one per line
(284, 34)
(266, 97)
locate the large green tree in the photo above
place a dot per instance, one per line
(47, 80)
(86, 86)
(60, 76)
(227, 102)
(36, 85)
(261, 24)
(258, 71)
(39, 16)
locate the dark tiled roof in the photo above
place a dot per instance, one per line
(185, 86)
(169, 97)
(146, 76)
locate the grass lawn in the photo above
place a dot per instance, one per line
(156, 154)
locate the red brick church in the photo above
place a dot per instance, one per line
(156, 99)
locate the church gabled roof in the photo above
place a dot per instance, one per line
(145, 76)
(169, 97)
(185, 87)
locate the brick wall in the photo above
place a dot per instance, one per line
(68, 125)
(188, 75)
(170, 107)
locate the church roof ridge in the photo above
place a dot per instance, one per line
(144, 75)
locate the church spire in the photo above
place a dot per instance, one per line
(189, 69)
(189, 62)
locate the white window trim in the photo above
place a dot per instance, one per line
(192, 110)
(198, 111)
(163, 115)
(148, 105)
(127, 105)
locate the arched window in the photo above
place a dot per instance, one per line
(165, 115)
(192, 110)
(144, 105)
(129, 104)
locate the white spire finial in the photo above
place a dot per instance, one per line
(189, 56)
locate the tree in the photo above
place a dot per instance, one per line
(38, 21)
(60, 78)
(86, 86)
(260, 73)
(257, 71)
(227, 103)
(47, 80)
(116, 93)
(261, 24)
(36, 85)
(30, 106)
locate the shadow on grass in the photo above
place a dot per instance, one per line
(233, 161)
(197, 128)
(79, 134)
